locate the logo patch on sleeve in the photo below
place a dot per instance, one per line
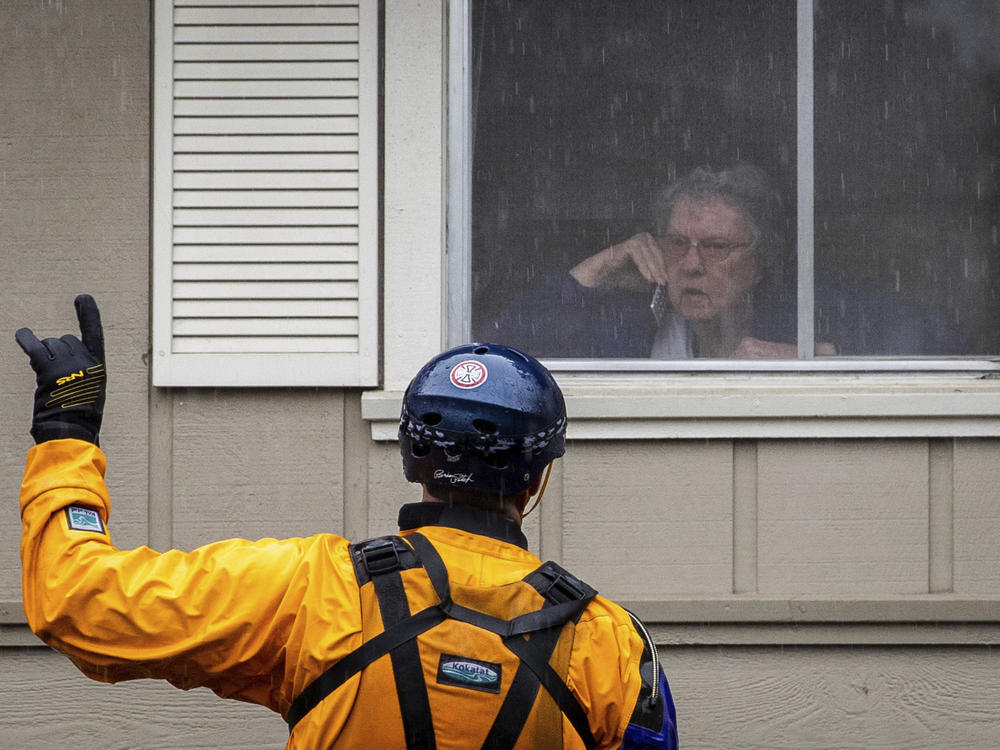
(461, 671)
(84, 519)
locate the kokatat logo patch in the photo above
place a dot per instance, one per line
(466, 672)
(468, 374)
(84, 519)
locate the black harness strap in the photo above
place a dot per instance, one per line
(558, 587)
(566, 598)
(411, 690)
(521, 696)
(565, 607)
(380, 561)
(433, 565)
(530, 654)
(361, 657)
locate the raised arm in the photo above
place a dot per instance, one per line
(637, 262)
(221, 616)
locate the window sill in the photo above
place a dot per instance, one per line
(630, 406)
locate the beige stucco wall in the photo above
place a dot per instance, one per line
(842, 529)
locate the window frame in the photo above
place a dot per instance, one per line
(626, 399)
(426, 85)
(459, 234)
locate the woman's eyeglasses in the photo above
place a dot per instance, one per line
(676, 246)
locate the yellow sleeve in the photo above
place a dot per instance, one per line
(221, 616)
(604, 673)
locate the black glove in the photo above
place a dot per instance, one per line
(69, 400)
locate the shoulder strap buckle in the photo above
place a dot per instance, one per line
(380, 556)
(559, 585)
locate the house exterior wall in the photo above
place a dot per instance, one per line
(806, 593)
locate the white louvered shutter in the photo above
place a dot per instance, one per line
(265, 224)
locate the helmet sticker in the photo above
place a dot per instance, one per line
(468, 374)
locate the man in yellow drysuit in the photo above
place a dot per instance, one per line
(450, 634)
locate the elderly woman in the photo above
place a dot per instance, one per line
(704, 283)
(715, 241)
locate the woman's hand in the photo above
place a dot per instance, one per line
(751, 348)
(624, 265)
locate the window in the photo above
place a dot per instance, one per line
(874, 126)
(265, 218)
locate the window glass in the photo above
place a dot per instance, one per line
(906, 97)
(635, 168)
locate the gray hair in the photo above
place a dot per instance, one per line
(743, 186)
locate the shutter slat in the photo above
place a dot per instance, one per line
(283, 107)
(264, 345)
(211, 71)
(242, 3)
(208, 16)
(266, 235)
(342, 51)
(265, 253)
(264, 180)
(265, 89)
(288, 125)
(265, 290)
(326, 326)
(265, 198)
(260, 217)
(266, 271)
(333, 34)
(224, 144)
(263, 308)
(266, 162)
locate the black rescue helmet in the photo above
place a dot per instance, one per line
(481, 417)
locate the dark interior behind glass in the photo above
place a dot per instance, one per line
(583, 109)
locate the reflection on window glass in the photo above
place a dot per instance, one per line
(634, 178)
